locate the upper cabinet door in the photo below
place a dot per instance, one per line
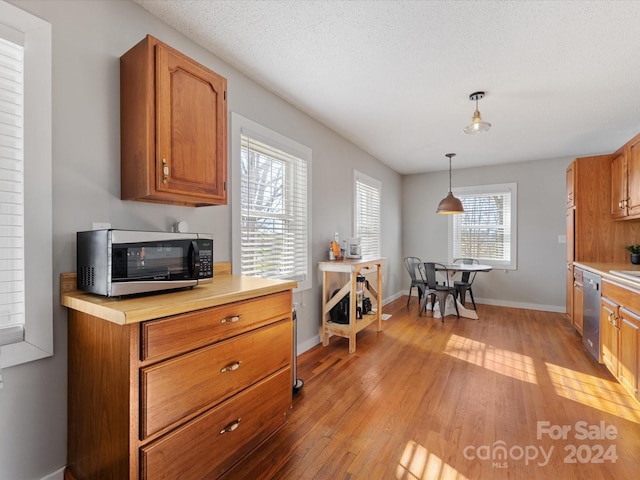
(173, 128)
(571, 188)
(619, 186)
(633, 177)
(191, 127)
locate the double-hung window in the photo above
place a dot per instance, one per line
(487, 228)
(271, 219)
(26, 292)
(366, 204)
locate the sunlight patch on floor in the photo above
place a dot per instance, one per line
(605, 395)
(505, 362)
(417, 463)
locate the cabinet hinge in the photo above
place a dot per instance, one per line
(224, 185)
(225, 94)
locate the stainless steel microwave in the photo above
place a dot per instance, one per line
(125, 262)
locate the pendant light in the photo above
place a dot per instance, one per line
(450, 204)
(477, 125)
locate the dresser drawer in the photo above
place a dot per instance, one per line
(174, 335)
(184, 386)
(207, 446)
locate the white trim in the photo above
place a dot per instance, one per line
(57, 475)
(480, 189)
(38, 189)
(238, 124)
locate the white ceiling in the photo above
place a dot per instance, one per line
(394, 77)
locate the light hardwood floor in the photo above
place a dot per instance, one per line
(430, 400)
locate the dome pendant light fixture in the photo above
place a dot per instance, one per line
(477, 125)
(450, 204)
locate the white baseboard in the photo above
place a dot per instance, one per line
(57, 475)
(506, 303)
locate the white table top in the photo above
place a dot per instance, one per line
(467, 267)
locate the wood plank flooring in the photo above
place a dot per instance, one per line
(425, 399)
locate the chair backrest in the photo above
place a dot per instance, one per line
(467, 277)
(430, 274)
(412, 264)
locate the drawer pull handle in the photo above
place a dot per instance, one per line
(231, 367)
(231, 427)
(233, 319)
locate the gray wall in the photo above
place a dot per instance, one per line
(539, 281)
(88, 39)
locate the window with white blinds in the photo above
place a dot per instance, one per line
(274, 214)
(11, 192)
(26, 263)
(367, 196)
(487, 228)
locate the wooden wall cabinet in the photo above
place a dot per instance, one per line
(173, 117)
(620, 334)
(570, 185)
(625, 181)
(181, 396)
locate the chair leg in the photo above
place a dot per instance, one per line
(409, 297)
(461, 293)
(455, 303)
(442, 299)
(423, 305)
(472, 300)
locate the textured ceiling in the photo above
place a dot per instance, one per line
(394, 77)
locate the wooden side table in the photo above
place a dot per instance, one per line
(352, 267)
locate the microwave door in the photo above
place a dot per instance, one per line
(193, 259)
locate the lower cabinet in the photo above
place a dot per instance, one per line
(629, 355)
(185, 396)
(578, 299)
(620, 334)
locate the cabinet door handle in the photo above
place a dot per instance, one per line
(231, 367)
(231, 427)
(165, 170)
(233, 319)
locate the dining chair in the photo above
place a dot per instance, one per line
(435, 289)
(417, 277)
(464, 284)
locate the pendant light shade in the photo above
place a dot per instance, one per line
(450, 204)
(477, 125)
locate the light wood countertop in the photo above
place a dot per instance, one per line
(603, 269)
(224, 289)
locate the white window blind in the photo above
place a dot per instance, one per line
(367, 213)
(12, 287)
(274, 230)
(487, 228)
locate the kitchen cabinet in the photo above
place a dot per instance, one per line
(179, 388)
(619, 186)
(625, 181)
(609, 336)
(570, 184)
(593, 235)
(578, 297)
(620, 334)
(173, 120)
(629, 354)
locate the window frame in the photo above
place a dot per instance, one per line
(512, 188)
(360, 177)
(281, 142)
(38, 225)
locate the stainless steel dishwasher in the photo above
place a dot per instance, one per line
(591, 314)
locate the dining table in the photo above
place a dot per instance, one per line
(450, 270)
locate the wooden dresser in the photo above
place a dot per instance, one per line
(176, 385)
